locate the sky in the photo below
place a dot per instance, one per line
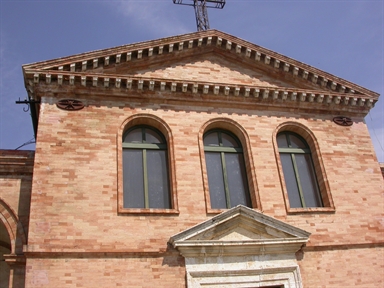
(344, 38)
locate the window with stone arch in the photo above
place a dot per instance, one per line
(301, 170)
(226, 160)
(146, 167)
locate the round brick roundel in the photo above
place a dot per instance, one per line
(343, 121)
(70, 104)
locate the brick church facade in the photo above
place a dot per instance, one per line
(200, 160)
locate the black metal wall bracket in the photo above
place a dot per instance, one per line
(28, 103)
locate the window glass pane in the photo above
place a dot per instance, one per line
(133, 178)
(215, 180)
(282, 140)
(237, 180)
(211, 139)
(152, 137)
(290, 181)
(158, 190)
(228, 141)
(134, 136)
(308, 180)
(296, 142)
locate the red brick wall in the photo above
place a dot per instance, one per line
(111, 272)
(356, 267)
(15, 192)
(75, 187)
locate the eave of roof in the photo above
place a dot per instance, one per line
(78, 71)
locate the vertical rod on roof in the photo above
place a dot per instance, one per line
(201, 11)
(201, 15)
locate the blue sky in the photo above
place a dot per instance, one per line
(344, 38)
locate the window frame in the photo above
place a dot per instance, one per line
(144, 147)
(324, 189)
(223, 150)
(240, 133)
(156, 124)
(293, 152)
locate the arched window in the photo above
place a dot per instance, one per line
(227, 180)
(299, 173)
(5, 248)
(145, 169)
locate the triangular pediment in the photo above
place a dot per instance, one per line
(240, 230)
(207, 62)
(208, 67)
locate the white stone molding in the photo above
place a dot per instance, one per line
(241, 247)
(118, 83)
(106, 82)
(195, 88)
(140, 84)
(277, 63)
(173, 87)
(243, 272)
(184, 87)
(246, 92)
(118, 58)
(229, 45)
(295, 71)
(129, 83)
(151, 85)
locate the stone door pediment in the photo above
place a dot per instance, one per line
(241, 248)
(240, 231)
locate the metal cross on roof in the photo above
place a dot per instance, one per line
(201, 12)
